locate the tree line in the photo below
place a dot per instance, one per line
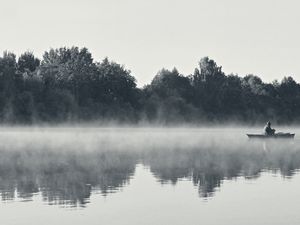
(67, 85)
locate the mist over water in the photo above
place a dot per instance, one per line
(70, 167)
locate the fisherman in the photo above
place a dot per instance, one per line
(268, 130)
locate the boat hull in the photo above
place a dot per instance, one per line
(262, 136)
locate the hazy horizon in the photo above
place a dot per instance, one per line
(81, 137)
(257, 37)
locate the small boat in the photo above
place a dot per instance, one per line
(277, 135)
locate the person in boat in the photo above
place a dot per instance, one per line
(268, 130)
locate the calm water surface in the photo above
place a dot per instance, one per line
(147, 176)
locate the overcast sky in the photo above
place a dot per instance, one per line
(261, 37)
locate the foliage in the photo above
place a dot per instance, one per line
(68, 85)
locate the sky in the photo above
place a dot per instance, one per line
(260, 37)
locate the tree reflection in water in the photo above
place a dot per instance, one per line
(69, 177)
(63, 177)
(209, 166)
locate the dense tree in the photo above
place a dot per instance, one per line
(27, 62)
(289, 94)
(8, 78)
(168, 97)
(231, 103)
(70, 68)
(207, 83)
(68, 85)
(118, 85)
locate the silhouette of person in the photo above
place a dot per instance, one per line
(268, 130)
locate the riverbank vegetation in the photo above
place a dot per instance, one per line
(68, 85)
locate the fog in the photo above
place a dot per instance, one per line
(68, 164)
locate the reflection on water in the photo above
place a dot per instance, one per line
(208, 167)
(66, 168)
(63, 177)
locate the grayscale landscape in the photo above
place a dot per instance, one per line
(138, 112)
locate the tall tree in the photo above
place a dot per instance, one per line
(207, 82)
(27, 62)
(69, 68)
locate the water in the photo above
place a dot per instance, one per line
(147, 176)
